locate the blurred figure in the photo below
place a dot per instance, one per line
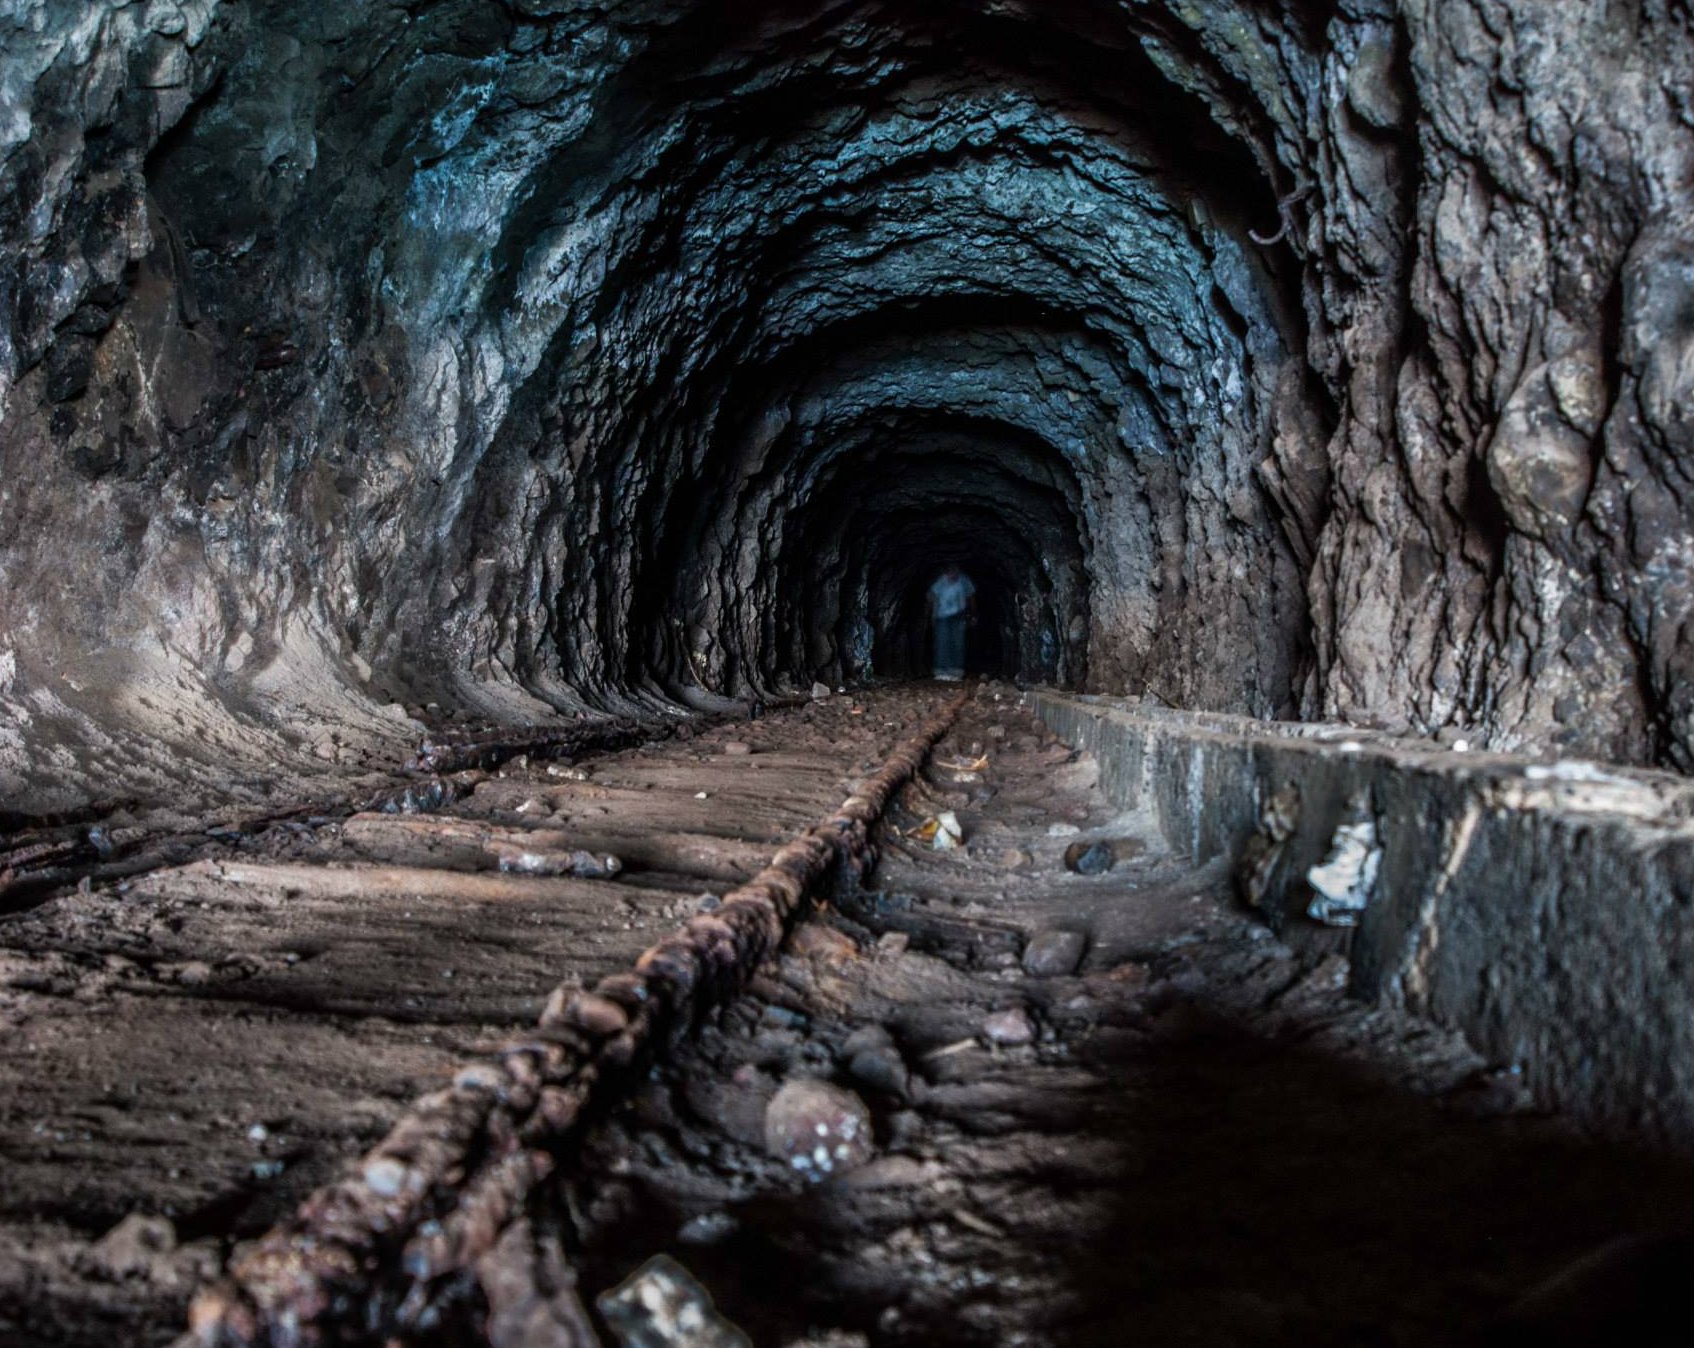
(952, 608)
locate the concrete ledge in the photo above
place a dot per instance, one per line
(1543, 908)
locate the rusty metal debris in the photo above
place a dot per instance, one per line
(416, 1226)
(1262, 853)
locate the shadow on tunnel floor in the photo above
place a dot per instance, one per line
(1223, 1188)
(1279, 1196)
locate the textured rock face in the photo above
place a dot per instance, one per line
(1536, 907)
(540, 355)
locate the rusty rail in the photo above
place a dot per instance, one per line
(50, 854)
(375, 1256)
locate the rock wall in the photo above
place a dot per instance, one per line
(538, 356)
(1508, 518)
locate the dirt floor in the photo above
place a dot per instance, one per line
(1105, 1107)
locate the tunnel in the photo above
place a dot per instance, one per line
(528, 359)
(653, 358)
(401, 396)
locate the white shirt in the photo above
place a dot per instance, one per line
(951, 595)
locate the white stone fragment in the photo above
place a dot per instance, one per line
(949, 833)
(1346, 879)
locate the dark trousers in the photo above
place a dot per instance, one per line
(950, 645)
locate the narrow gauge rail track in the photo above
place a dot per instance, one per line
(249, 1006)
(443, 1194)
(1103, 1100)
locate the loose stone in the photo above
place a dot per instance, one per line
(818, 1129)
(1009, 1029)
(1052, 954)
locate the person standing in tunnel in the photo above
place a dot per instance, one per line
(952, 608)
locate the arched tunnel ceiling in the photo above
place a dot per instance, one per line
(540, 355)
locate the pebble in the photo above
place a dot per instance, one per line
(818, 1129)
(881, 1069)
(165, 19)
(135, 1246)
(479, 1077)
(867, 1037)
(385, 1176)
(1095, 858)
(599, 1016)
(1010, 1028)
(893, 943)
(1051, 954)
(780, 1017)
(1134, 973)
(737, 748)
(1063, 831)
